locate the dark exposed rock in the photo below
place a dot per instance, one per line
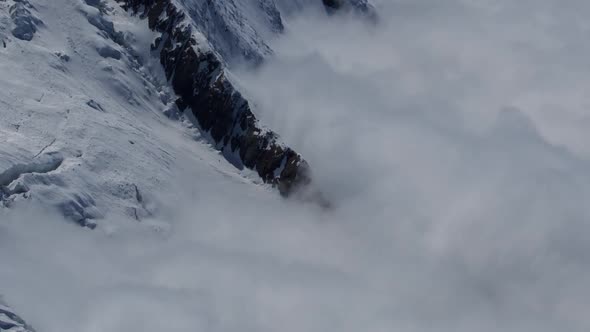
(198, 78)
(334, 4)
(233, 34)
(357, 6)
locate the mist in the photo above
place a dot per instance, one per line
(449, 137)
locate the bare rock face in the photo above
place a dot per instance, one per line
(199, 79)
(10, 321)
(334, 4)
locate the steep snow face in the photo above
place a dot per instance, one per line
(238, 30)
(83, 105)
(362, 6)
(241, 30)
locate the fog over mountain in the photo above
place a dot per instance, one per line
(228, 165)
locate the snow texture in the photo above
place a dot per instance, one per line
(10, 321)
(83, 126)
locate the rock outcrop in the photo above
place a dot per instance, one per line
(199, 79)
(25, 22)
(10, 321)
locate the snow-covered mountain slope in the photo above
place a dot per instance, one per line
(236, 28)
(83, 108)
(241, 30)
(89, 124)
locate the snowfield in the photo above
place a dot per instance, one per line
(449, 136)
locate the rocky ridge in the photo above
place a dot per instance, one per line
(193, 41)
(199, 79)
